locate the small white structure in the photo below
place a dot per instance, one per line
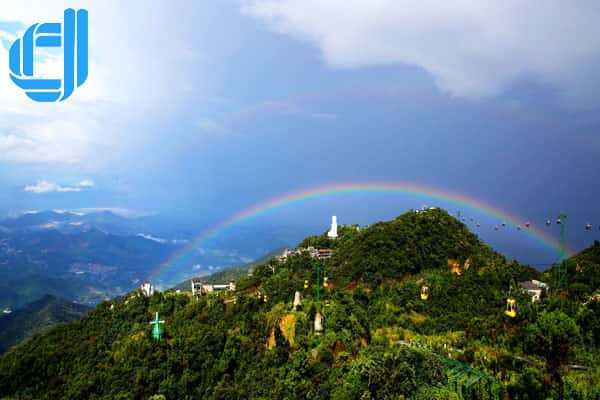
(321, 254)
(534, 288)
(147, 289)
(297, 301)
(7, 310)
(287, 253)
(318, 323)
(332, 234)
(200, 288)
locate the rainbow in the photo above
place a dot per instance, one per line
(406, 188)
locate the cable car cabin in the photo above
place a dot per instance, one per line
(306, 284)
(548, 223)
(511, 308)
(424, 292)
(325, 282)
(588, 227)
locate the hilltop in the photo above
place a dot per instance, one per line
(381, 338)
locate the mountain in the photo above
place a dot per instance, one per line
(72, 221)
(35, 317)
(412, 308)
(16, 292)
(87, 265)
(582, 273)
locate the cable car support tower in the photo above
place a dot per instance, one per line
(560, 276)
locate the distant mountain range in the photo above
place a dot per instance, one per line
(35, 317)
(92, 256)
(83, 257)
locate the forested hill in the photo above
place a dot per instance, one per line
(36, 316)
(384, 336)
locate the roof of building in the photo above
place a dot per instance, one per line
(532, 285)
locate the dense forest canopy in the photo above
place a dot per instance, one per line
(383, 337)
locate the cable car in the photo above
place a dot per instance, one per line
(495, 228)
(325, 281)
(511, 307)
(265, 298)
(504, 224)
(518, 227)
(424, 292)
(588, 227)
(548, 223)
(527, 224)
(558, 221)
(306, 284)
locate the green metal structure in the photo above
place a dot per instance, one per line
(157, 329)
(320, 280)
(560, 275)
(468, 382)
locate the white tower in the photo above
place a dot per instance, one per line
(332, 234)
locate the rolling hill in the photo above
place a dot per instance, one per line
(380, 338)
(35, 317)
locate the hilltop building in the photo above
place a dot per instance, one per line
(320, 254)
(201, 288)
(534, 289)
(332, 234)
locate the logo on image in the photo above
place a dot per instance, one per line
(72, 36)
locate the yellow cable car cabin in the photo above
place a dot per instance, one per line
(511, 308)
(325, 282)
(306, 284)
(424, 292)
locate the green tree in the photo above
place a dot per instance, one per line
(552, 337)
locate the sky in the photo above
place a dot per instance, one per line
(196, 110)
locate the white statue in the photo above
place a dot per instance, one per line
(297, 301)
(147, 289)
(318, 323)
(332, 234)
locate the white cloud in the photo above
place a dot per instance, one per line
(472, 48)
(51, 187)
(152, 238)
(136, 71)
(87, 183)
(120, 211)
